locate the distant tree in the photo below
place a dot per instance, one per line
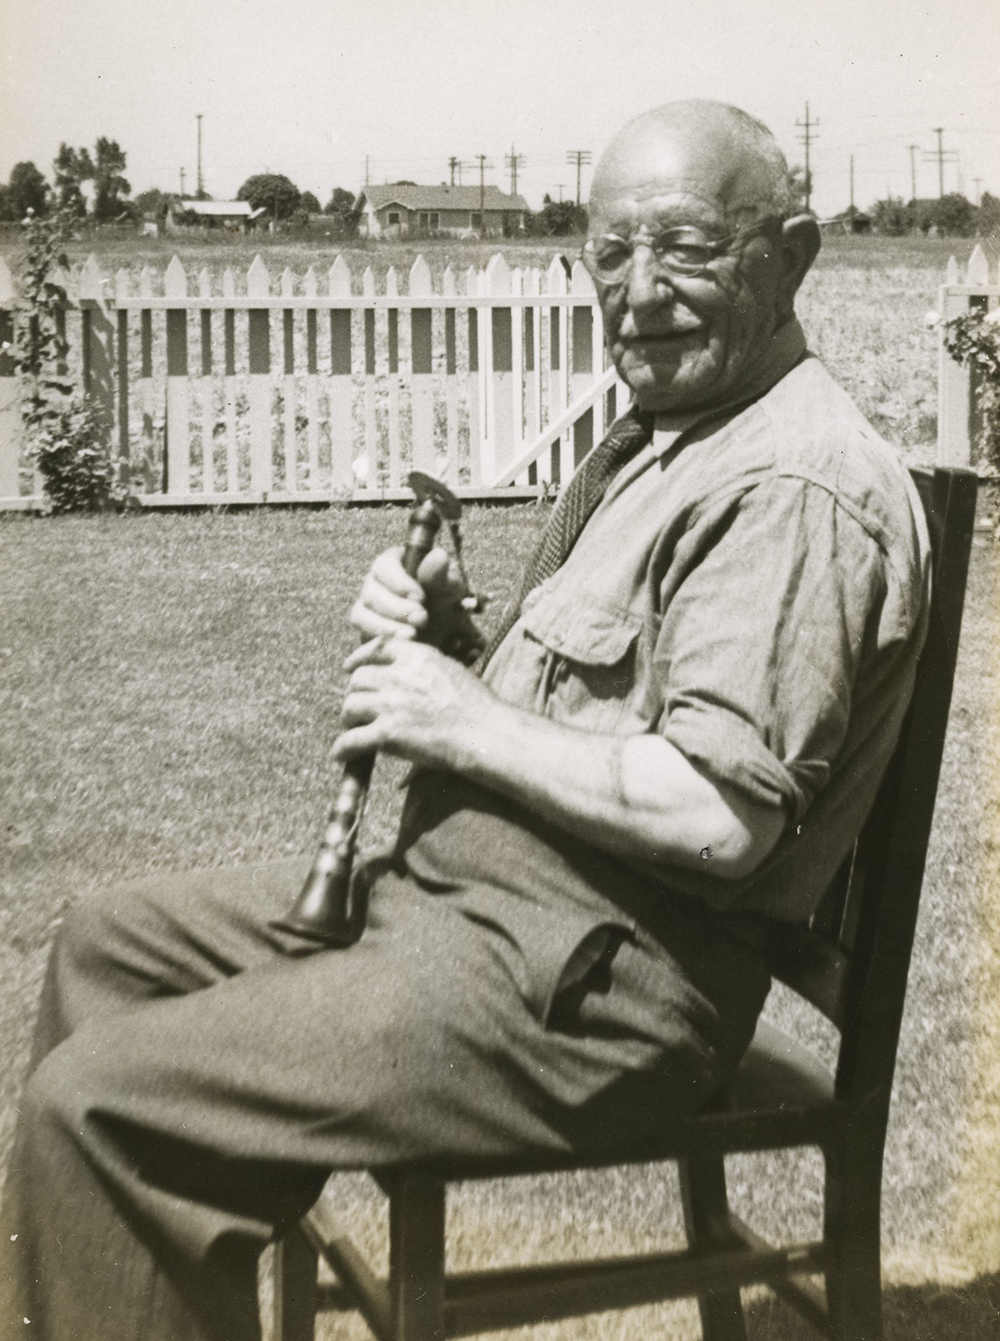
(310, 204)
(339, 201)
(892, 217)
(988, 217)
(154, 202)
(951, 215)
(271, 191)
(109, 183)
(343, 217)
(71, 168)
(402, 183)
(557, 218)
(27, 189)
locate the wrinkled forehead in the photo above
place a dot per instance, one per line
(685, 169)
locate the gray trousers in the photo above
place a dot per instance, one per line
(197, 1076)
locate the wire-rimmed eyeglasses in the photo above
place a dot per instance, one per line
(685, 250)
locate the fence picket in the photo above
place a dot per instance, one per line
(450, 380)
(500, 404)
(369, 455)
(562, 452)
(392, 345)
(978, 270)
(310, 288)
(341, 397)
(477, 406)
(583, 364)
(178, 424)
(98, 347)
(10, 417)
(517, 366)
(288, 398)
(207, 388)
(147, 464)
(121, 293)
(541, 470)
(259, 391)
(423, 455)
(231, 385)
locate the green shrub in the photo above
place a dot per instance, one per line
(65, 436)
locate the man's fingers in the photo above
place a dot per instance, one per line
(374, 652)
(370, 624)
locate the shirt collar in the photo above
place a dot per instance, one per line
(788, 344)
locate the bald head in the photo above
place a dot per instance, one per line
(708, 149)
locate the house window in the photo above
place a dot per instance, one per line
(393, 218)
(475, 219)
(422, 218)
(435, 222)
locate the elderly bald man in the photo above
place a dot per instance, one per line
(674, 740)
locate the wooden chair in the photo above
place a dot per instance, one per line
(851, 963)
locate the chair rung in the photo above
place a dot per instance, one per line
(489, 1300)
(478, 1301)
(806, 1298)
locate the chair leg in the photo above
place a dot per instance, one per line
(852, 1228)
(296, 1265)
(706, 1219)
(416, 1260)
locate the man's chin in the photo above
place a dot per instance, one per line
(656, 390)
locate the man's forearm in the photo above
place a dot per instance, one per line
(635, 795)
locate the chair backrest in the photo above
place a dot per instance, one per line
(851, 961)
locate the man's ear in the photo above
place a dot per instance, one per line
(800, 240)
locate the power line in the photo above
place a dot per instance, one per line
(483, 165)
(514, 160)
(809, 134)
(943, 156)
(579, 157)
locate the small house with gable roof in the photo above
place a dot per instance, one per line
(439, 211)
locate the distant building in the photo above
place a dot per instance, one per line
(232, 215)
(439, 211)
(848, 222)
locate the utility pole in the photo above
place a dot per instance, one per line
(977, 182)
(182, 182)
(483, 165)
(514, 162)
(454, 165)
(201, 182)
(808, 129)
(852, 186)
(579, 157)
(913, 170)
(943, 156)
(559, 188)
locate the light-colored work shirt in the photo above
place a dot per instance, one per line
(754, 588)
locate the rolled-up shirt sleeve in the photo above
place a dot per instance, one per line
(762, 633)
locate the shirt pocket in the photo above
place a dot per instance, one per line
(589, 678)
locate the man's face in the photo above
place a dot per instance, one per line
(685, 342)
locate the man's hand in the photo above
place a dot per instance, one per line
(405, 698)
(433, 606)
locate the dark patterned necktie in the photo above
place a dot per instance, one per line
(625, 438)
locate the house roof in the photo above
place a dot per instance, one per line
(217, 208)
(439, 198)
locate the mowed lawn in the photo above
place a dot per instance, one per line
(170, 690)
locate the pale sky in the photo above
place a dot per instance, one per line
(309, 88)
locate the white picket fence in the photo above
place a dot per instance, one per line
(307, 390)
(958, 416)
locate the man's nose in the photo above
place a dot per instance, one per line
(648, 282)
